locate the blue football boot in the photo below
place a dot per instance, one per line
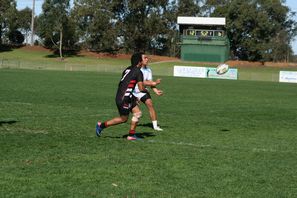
(98, 129)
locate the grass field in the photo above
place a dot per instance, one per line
(221, 138)
(23, 58)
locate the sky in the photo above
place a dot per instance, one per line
(21, 4)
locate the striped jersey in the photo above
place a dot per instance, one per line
(130, 77)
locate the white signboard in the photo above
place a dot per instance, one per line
(231, 74)
(186, 71)
(288, 76)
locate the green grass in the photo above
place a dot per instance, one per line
(25, 59)
(221, 138)
(42, 60)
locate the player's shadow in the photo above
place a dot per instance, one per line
(225, 130)
(150, 125)
(2, 122)
(140, 135)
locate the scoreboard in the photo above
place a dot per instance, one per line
(203, 39)
(205, 33)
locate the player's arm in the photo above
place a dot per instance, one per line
(141, 87)
(158, 92)
(140, 82)
(152, 83)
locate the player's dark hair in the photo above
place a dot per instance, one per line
(136, 58)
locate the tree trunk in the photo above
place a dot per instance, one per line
(61, 44)
(0, 33)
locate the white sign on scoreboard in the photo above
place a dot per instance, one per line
(186, 71)
(288, 76)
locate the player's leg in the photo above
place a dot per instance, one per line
(124, 115)
(136, 115)
(150, 106)
(147, 100)
(115, 121)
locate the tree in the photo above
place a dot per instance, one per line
(98, 23)
(53, 22)
(172, 34)
(259, 30)
(189, 8)
(146, 25)
(113, 25)
(7, 17)
(16, 37)
(24, 21)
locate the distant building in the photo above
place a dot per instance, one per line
(203, 39)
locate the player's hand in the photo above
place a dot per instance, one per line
(159, 92)
(158, 81)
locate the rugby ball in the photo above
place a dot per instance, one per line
(222, 68)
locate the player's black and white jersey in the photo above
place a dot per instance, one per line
(130, 77)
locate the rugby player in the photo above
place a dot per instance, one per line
(145, 97)
(126, 102)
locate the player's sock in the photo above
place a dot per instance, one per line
(132, 136)
(155, 124)
(103, 125)
(132, 132)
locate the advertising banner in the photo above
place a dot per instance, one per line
(231, 74)
(186, 71)
(288, 76)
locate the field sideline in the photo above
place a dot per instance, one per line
(38, 58)
(221, 138)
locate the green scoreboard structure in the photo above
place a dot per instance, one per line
(203, 39)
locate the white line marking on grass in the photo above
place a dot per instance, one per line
(33, 131)
(23, 131)
(263, 150)
(21, 103)
(256, 150)
(59, 116)
(180, 143)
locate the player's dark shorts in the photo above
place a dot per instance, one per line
(125, 108)
(145, 97)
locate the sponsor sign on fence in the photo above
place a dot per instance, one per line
(186, 71)
(288, 76)
(204, 72)
(230, 74)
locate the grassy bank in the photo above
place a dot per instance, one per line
(24, 58)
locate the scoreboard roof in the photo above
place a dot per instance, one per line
(201, 21)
